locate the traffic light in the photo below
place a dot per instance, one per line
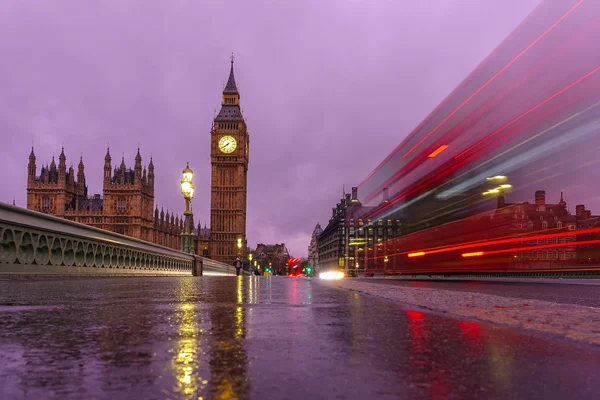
(308, 270)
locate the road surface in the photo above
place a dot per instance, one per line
(265, 338)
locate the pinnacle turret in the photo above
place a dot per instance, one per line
(31, 167)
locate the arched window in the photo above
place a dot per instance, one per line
(45, 203)
(559, 225)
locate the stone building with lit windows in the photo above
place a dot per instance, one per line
(126, 205)
(342, 244)
(541, 218)
(275, 255)
(369, 238)
(331, 241)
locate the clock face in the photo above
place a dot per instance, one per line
(227, 144)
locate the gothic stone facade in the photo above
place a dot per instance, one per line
(126, 206)
(229, 177)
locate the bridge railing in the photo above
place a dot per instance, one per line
(212, 267)
(37, 243)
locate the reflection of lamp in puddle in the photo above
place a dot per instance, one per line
(500, 362)
(228, 359)
(240, 292)
(239, 317)
(185, 364)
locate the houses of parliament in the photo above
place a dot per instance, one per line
(127, 202)
(126, 205)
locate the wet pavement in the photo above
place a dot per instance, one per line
(265, 338)
(563, 292)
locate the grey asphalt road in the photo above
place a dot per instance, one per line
(265, 338)
(577, 293)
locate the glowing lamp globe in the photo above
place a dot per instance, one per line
(187, 188)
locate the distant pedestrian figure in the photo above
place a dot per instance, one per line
(238, 266)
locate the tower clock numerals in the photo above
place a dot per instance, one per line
(227, 144)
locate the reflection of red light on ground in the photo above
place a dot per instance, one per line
(474, 254)
(440, 389)
(294, 292)
(417, 254)
(416, 329)
(471, 330)
(412, 314)
(438, 151)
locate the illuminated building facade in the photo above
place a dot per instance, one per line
(126, 206)
(229, 156)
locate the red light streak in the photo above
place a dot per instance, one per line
(475, 254)
(511, 240)
(545, 246)
(483, 243)
(495, 76)
(438, 151)
(529, 111)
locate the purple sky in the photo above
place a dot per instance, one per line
(329, 87)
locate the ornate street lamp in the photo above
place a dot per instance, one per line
(239, 245)
(187, 189)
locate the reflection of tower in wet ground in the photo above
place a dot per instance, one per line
(228, 358)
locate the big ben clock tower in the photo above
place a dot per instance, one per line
(229, 159)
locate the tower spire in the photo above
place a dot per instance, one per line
(231, 87)
(562, 201)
